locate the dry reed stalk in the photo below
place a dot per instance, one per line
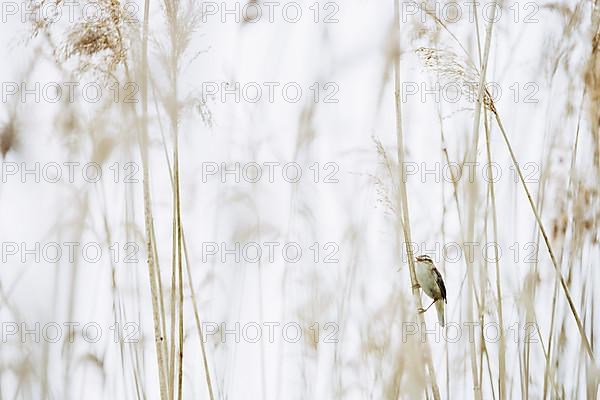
(472, 187)
(502, 343)
(188, 270)
(563, 284)
(197, 319)
(402, 200)
(548, 372)
(153, 276)
(180, 275)
(175, 32)
(151, 246)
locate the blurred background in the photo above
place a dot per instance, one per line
(203, 199)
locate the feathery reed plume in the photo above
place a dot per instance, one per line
(452, 69)
(100, 42)
(385, 187)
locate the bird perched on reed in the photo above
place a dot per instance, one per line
(431, 282)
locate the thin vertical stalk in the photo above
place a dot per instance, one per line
(472, 190)
(148, 219)
(173, 304)
(171, 8)
(502, 343)
(197, 318)
(547, 370)
(563, 284)
(179, 270)
(189, 276)
(403, 204)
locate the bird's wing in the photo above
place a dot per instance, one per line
(440, 283)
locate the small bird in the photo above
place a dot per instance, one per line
(431, 282)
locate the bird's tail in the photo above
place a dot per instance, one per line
(439, 306)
